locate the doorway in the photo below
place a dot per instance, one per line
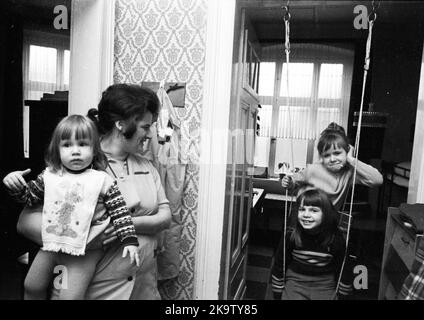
(328, 24)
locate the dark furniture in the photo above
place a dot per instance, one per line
(394, 190)
(399, 251)
(43, 118)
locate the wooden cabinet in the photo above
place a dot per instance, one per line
(44, 115)
(399, 252)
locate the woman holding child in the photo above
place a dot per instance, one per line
(124, 116)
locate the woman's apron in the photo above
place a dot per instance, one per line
(115, 277)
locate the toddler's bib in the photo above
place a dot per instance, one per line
(69, 205)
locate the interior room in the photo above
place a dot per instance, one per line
(248, 115)
(323, 37)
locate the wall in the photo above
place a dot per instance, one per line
(397, 53)
(165, 40)
(11, 146)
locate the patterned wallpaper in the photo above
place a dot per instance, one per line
(165, 40)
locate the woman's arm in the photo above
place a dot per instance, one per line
(29, 224)
(154, 223)
(149, 224)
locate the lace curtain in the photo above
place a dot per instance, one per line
(46, 59)
(320, 78)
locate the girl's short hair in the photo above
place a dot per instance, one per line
(83, 128)
(333, 136)
(329, 224)
(127, 103)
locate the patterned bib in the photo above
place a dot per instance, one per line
(69, 205)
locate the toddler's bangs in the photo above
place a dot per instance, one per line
(81, 130)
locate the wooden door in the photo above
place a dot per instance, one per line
(239, 180)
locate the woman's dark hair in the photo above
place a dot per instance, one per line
(329, 224)
(127, 103)
(333, 136)
(83, 128)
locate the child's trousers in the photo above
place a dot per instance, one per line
(70, 274)
(306, 287)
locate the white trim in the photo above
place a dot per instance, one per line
(92, 38)
(108, 49)
(416, 178)
(215, 118)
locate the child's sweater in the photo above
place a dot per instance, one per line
(69, 205)
(311, 259)
(336, 186)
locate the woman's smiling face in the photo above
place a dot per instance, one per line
(141, 134)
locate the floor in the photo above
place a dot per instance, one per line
(259, 264)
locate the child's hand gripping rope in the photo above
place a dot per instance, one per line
(287, 181)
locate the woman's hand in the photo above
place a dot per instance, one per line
(133, 251)
(109, 235)
(29, 223)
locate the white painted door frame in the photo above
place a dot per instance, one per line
(416, 179)
(92, 52)
(214, 143)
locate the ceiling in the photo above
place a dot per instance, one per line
(36, 8)
(326, 18)
(36, 14)
(41, 3)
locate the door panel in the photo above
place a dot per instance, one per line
(238, 202)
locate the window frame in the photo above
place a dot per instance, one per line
(44, 39)
(278, 100)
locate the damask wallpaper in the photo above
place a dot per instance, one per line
(159, 40)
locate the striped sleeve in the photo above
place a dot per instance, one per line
(33, 193)
(120, 216)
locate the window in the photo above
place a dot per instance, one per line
(47, 71)
(46, 62)
(300, 80)
(317, 91)
(266, 78)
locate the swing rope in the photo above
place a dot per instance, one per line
(371, 19)
(286, 19)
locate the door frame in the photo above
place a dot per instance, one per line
(416, 180)
(92, 52)
(214, 144)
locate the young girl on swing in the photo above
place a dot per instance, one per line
(74, 195)
(314, 253)
(333, 174)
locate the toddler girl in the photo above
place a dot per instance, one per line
(75, 196)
